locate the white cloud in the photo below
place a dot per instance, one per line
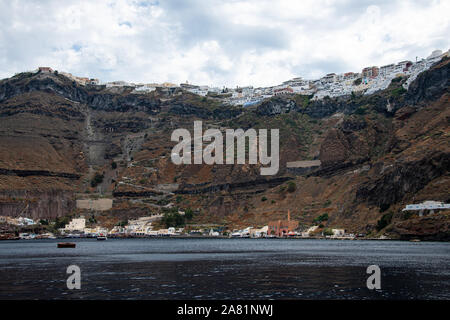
(216, 43)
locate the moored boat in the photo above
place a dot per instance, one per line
(101, 236)
(66, 245)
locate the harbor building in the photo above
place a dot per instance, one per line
(281, 228)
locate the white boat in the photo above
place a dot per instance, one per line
(101, 236)
(27, 236)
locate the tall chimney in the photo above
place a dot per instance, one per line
(289, 215)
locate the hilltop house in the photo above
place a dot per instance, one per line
(45, 70)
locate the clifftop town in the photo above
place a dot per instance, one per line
(369, 80)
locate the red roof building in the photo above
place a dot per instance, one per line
(281, 228)
(287, 90)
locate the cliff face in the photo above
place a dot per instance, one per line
(36, 204)
(430, 85)
(378, 153)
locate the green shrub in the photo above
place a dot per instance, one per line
(398, 91)
(291, 186)
(322, 217)
(263, 198)
(189, 214)
(122, 223)
(173, 219)
(61, 222)
(361, 110)
(328, 232)
(97, 179)
(162, 202)
(407, 214)
(384, 221)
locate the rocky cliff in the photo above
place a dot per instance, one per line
(60, 141)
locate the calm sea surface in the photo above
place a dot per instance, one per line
(224, 269)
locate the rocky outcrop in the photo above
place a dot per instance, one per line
(353, 124)
(25, 83)
(93, 97)
(393, 183)
(327, 107)
(185, 109)
(123, 103)
(137, 194)
(181, 108)
(205, 188)
(45, 173)
(431, 84)
(423, 228)
(334, 149)
(276, 105)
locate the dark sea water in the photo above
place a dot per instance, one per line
(224, 269)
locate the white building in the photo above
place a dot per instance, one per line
(22, 221)
(259, 233)
(76, 225)
(144, 88)
(436, 54)
(117, 84)
(338, 232)
(386, 70)
(427, 205)
(213, 233)
(309, 231)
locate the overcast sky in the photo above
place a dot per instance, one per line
(218, 43)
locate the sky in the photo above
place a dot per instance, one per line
(216, 43)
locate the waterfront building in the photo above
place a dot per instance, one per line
(78, 224)
(338, 232)
(259, 233)
(213, 233)
(281, 228)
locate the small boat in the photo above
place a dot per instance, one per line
(101, 236)
(66, 245)
(414, 240)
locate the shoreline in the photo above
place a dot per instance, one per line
(225, 237)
